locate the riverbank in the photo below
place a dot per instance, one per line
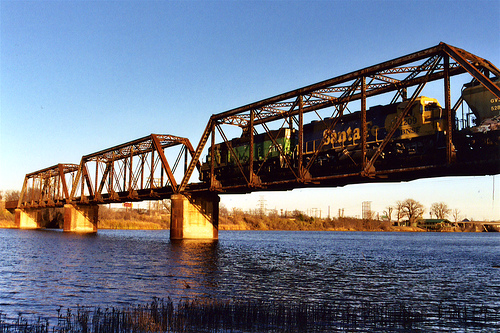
(248, 221)
(251, 222)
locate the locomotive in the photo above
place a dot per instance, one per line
(419, 140)
(421, 131)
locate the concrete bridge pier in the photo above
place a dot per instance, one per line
(79, 218)
(194, 216)
(28, 218)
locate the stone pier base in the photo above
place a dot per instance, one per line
(80, 218)
(27, 219)
(194, 216)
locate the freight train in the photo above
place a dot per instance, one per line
(419, 140)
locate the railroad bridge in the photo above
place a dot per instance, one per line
(161, 166)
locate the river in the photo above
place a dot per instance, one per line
(43, 270)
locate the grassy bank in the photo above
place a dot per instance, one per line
(245, 221)
(236, 220)
(133, 224)
(6, 219)
(132, 219)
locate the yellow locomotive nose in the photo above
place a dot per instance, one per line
(424, 118)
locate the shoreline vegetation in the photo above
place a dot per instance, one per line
(136, 219)
(202, 315)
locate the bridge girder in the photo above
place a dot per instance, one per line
(136, 170)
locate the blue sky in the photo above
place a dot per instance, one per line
(81, 76)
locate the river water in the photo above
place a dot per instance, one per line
(43, 270)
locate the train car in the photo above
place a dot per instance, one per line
(481, 141)
(484, 105)
(421, 133)
(269, 157)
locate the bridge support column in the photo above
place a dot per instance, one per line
(27, 219)
(194, 216)
(80, 218)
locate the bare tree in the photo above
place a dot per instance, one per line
(440, 210)
(399, 210)
(388, 212)
(223, 211)
(456, 215)
(412, 209)
(11, 195)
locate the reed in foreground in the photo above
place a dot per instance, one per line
(259, 316)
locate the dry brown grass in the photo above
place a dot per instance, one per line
(131, 224)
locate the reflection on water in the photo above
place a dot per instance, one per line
(191, 261)
(43, 270)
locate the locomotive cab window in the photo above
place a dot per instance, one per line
(431, 112)
(427, 114)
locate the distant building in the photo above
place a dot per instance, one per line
(433, 224)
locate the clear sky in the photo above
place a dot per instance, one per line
(81, 76)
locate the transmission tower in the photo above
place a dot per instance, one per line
(366, 210)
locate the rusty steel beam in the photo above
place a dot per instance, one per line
(158, 147)
(369, 171)
(140, 146)
(357, 96)
(301, 171)
(344, 97)
(195, 160)
(368, 71)
(47, 186)
(251, 174)
(364, 126)
(241, 120)
(126, 167)
(448, 112)
(470, 62)
(279, 148)
(233, 153)
(237, 116)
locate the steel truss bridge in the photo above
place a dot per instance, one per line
(144, 169)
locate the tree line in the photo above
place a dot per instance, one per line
(414, 210)
(10, 195)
